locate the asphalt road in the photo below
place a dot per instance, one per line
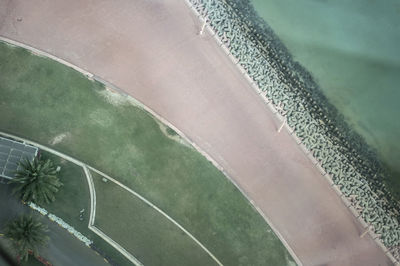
(151, 49)
(63, 249)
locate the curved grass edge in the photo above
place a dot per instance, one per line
(155, 116)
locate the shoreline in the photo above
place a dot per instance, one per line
(203, 88)
(342, 153)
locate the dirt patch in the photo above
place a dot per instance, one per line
(172, 134)
(117, 99)
(59, 138)
(101, 117)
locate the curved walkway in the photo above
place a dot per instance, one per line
(92, 215)
(188, 79)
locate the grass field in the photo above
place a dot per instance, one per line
(74, 196)
(146, 232)
(56, 106)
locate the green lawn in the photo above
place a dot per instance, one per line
(56, 106)
(147, 234)
(74, 196)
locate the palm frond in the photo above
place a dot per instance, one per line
(36, 181)
(26, 234)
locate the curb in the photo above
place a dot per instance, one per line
(45, 54)
(92, 193)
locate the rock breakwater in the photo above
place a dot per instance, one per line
(351, 164)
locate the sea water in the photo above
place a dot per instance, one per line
(352, 49)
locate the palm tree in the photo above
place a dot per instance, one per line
(26, 234)
(36, 181)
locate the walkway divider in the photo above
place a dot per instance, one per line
(92, 192)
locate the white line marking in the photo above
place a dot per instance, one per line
(92, 196)
(157, 209)
(115, 245)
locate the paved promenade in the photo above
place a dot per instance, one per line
(152, 50)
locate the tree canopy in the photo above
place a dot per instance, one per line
(36, 181)
(26, 234)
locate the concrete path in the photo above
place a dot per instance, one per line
(63, 249)
(152, 51)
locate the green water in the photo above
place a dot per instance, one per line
(352, 49)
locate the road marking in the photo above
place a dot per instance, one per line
(114, 244)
